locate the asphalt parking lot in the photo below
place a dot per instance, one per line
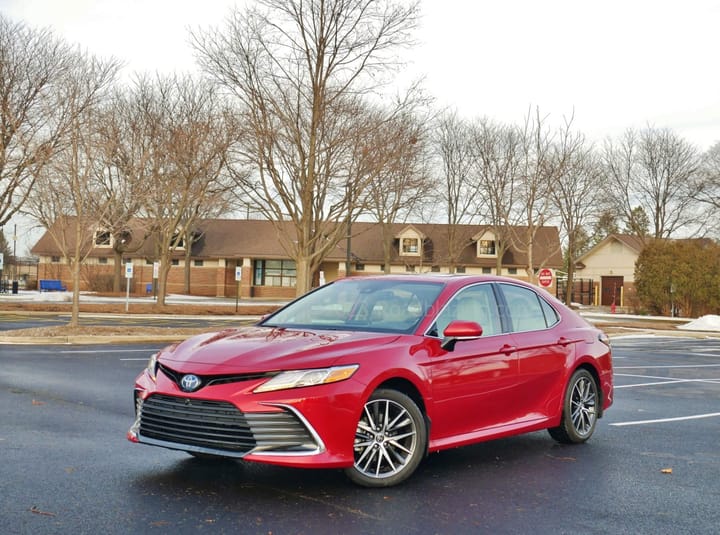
(652, 466)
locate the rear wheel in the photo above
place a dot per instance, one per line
(390, 440)
(580, 409)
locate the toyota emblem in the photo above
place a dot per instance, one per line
(190, 382)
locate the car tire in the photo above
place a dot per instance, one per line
(390, 440)
(580, 409)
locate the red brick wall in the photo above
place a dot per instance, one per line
(273, 292)
(205, 281)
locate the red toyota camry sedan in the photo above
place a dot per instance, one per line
(371, 374)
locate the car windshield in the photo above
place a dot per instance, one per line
(376, 305)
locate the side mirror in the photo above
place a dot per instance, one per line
(460, 330)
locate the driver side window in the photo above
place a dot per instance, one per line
(476, 303)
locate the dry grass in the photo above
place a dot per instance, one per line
(127, 330)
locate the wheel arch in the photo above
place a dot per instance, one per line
(408, 388)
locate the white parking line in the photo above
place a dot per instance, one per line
(669, 366)
(664, 420)
(662, 380)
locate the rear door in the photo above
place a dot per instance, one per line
(543, 352)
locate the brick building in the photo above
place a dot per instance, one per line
(268, 272)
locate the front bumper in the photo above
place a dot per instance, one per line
(311, 427)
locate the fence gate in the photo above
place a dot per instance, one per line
(581, 292)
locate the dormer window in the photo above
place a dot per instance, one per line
(410, 241)
(410, 246)
(486, 244)
(178, 241)
(103, 238)
(486, 248)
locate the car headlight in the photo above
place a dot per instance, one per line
(152, 366)
(300, 378)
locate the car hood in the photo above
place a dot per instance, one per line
(258, 349)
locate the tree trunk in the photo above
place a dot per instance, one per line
(75, 314)
(570, 272)
(303, 276)
(162, 280)
(117, 271)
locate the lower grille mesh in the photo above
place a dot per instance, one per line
(220, 426)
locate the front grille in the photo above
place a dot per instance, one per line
(220, 426)
(208, 380)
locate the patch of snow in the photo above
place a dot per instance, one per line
(703, 323)
(57, 297)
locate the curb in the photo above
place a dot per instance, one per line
(90, 340)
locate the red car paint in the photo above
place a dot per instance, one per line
(472, 389)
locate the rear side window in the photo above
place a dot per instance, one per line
(551, 315)
(527, 310)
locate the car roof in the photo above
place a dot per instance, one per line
(448, 279)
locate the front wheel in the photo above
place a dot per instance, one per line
(390, 440)
(580, 409)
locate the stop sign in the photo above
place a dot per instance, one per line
(545, 277)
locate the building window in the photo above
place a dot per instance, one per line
(487, 270)
(512, 271)
(102, 260)
(435, 269)
(410, 246)
(486, 248)
(175, 262)
(409, 268)
(359, 266)
(178, 240)
(55, 259)
(199, 263)
(460, 269)
(103, 238)
(275, 273)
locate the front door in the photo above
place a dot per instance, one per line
(610, 290)
(475, 385)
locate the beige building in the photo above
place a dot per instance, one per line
(611, 266)
(266, 270)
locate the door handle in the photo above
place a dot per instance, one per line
(564, 341)
(508, 349)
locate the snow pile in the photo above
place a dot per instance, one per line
(54, 297)
(703, 323)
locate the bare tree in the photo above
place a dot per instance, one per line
(656, 171)
(457, 159)
(401, 183)
(34, 116)
(126, 149)
(498, 154)
(708, 187)
(66, 197)
(298, 70)
(545, 154)
(577, 197)
(187, 146)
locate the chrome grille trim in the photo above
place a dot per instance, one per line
(218, 427)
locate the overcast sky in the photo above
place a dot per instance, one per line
(615, 64)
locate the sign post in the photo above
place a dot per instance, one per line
(156, 276)
(128, 278)
(545, 277)
(238, 279)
